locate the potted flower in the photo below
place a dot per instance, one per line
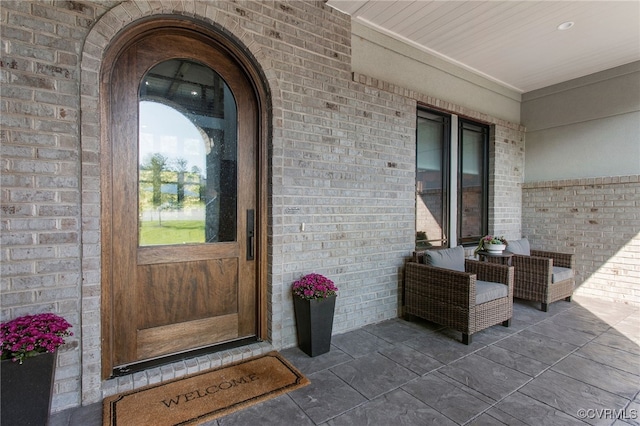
(492, 244)
(314, 301)
(28, 347)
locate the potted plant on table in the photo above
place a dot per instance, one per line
(314, 301)
(492, 244)
(28, 347)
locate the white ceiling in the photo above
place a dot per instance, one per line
(515, 43)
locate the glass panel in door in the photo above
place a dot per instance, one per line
(188, 156)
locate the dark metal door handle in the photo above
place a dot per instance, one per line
(251, 225)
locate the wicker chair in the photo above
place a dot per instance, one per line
(543, 276)
(448, 297)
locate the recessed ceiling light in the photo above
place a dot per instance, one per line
(565, 25)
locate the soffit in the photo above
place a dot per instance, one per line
(514, 43)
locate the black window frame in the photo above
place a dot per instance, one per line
(448, 163)
(425, 113)
(484, 130)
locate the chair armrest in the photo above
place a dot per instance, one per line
(453, 287)
(492, 272)
(532, 268)
(418, 256)
(564, 260)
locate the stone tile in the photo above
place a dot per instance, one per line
(612, 357)
(581, 321)
(271, 412)
(485, 376)
(537, 346)
(570, 395)
(581, 308)
(493, 334)
(504, 418)
(309, 365)
(521, 363)
(527, 313)
(442, 347)
(630, 328)
(599, 375)
(631, 414)
(613, 338)
(563, 334)
(373, 375)
(556, 307)
(528, 348)
(485, 420)
(609, 317)
(604, 311)
(482, 338)
(61, 418)
(394, 408)
(630, 421)
(564, 305)
(532, 412)
(396, 331)
(412, 359)
(88, 415)
(359, 343)
(448, 399)
(326, 397)
(423, 324)
(467, 389)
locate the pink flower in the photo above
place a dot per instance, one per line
(29, 335)
(314, 286)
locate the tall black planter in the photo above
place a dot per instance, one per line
(26, 390)
(314, 322)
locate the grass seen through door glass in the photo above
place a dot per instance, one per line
(171, 232)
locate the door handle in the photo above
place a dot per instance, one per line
(251, 238)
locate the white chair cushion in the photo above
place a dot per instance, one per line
(451, 258)
(519, 247)
(560, 274)
(487, 291)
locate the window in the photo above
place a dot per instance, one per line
(472, 181)
(432, 177)
(451, 180)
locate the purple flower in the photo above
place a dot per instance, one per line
(314, 286)
(29, 335)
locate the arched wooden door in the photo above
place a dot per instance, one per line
(182, 183)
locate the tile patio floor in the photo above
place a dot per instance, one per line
(577, 364)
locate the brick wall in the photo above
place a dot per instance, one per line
(506, 157)
(341, 162)
(597, 219)
(41, 169)
(506, 162)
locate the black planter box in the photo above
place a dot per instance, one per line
(314, 323)
(26, 390)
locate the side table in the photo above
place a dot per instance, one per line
(503, 258)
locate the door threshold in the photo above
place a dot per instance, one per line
(136, 367)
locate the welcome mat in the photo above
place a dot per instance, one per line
(205, 396)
